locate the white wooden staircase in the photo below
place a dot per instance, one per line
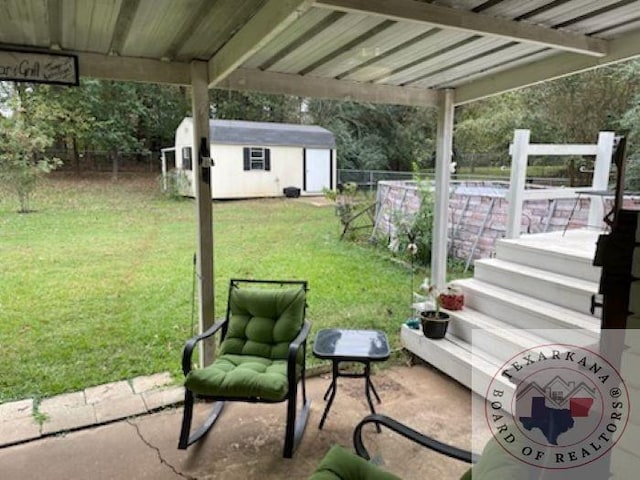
(542, 281)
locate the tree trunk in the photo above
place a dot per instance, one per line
(115, 157)
(76, 155)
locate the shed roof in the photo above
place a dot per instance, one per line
(240, 132)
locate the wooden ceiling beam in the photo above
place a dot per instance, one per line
(123, 25)
(474, 23)
(114, 67)
(283, 83)
(264, 26)
(557, 66)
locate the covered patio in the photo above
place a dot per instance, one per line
(432, 54)
(247, 443)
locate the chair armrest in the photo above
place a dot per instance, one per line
(411, 434)
(294, 346)
(187, 352)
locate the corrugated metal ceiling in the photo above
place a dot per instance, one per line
(332, 39)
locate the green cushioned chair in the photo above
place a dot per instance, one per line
(493, 464)
(340, 464)
(261, 356)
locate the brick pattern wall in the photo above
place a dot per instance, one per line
(473, 229)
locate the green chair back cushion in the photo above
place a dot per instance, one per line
(263, 322)
(340, 464)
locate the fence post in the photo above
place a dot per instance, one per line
(519, 155)
(600, 177)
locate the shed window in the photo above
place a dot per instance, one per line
(186, 158)
(257, 158)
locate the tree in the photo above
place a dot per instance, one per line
(257, 107)
(23, 141)
(487, 125)
(572, 109)
(630, 124)
(117, 109)
(377, 137)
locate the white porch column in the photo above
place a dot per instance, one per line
(444, 149)
(601, 171)
(519, 159)
(202, 181)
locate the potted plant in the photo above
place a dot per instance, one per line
(452, 298)
(434, 322)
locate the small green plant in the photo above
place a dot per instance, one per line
(417, 228)
(353, 208)
(431, 294)
(39, 417)
(345, 200)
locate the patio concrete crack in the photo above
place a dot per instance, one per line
(158, 453)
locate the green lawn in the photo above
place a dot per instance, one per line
(96, 285)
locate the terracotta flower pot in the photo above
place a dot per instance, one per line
(452, 301)
(433, 326)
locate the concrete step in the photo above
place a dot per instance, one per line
(566, 291)
(454, 357)
(488, 334)
(570, 254)
(475, 363)
(524, 312)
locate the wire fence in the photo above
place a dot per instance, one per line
(102, 161)
(368, 179)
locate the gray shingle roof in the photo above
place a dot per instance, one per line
(240, 132)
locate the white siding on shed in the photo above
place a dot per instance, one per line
(289, 165)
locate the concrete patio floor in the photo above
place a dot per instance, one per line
(247, 441)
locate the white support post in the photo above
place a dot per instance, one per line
(444, 149)
(600, 176)
(163, 159)
(519, 155)
(202, 181)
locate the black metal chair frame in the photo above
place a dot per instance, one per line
(295, 423)
(411, 434)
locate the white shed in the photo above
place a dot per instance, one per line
(260, 159)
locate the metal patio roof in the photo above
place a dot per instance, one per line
(389, 51)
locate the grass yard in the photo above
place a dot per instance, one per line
(96, 285)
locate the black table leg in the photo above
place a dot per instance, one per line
(332, 388)
(373, 389)
(368, 386)
(326, 394)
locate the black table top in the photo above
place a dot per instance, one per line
(354, 345)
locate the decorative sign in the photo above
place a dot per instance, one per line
(21, 66)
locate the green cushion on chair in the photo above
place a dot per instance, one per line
(263, 322)
(340, 464)
(252, 359)
(241, 376)
(495, 462)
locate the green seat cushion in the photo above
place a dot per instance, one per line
(340, 464)
(241, 376)
(495, 463)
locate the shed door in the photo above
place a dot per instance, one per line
(317, 169)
